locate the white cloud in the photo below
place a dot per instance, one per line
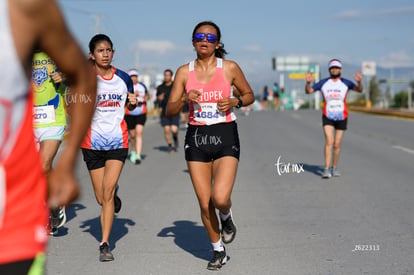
(347, 14)
(157, 46)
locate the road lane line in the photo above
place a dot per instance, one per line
(402, 148)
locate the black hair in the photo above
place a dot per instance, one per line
(220, 52)
(170, 71)
(99, 38)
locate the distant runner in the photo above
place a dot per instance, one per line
(136, 118)
(334, 90)
(169, 123)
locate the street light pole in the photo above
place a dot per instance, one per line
(367, 97)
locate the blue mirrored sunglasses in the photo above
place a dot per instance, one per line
(211, 38)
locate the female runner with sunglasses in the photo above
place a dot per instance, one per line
(211, 144)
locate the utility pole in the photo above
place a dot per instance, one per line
(367, 94)
(369, 70)
(137, 56)
(317, 78)
(97, 18)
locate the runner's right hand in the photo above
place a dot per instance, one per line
(63, 188)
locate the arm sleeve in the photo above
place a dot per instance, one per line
(351, 85)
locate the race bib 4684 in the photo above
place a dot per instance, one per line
(207, 113)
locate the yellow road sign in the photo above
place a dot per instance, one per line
(297, 75)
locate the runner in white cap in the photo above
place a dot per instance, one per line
(334, 90)
(136, 118)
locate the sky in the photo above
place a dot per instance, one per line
(152, 35)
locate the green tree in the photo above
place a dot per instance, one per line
(401, 100)
(388, 95)
(374, 90)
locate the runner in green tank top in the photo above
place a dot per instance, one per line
(49, 119)
(49, 109)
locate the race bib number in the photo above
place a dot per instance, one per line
(207, 113)
(335, 109)
(44, 114)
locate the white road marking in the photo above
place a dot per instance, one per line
(402, 148)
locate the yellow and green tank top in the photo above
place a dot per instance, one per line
(49, 109)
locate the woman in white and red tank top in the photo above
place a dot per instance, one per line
(212, 147)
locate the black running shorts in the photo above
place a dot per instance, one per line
(133, 121)
(337, 124)
(96, 159)
(210, 142)
(170, 121)
(19, 267)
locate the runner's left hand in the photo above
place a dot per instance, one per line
(358, 76)
(225, 104)
(132, 98)
(63, 187)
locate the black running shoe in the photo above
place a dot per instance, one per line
(61, 216)
(57, 219)
(138, 159)
(104, 254)
(176, 145)
(219, 259)
(228, 229)
(53, 231)
(117, 201)
(52, 225)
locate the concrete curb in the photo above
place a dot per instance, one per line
(384, 112)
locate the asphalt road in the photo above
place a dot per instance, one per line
(288, 222)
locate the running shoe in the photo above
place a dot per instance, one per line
(53, 231)
(57, 219)
(61, 216)
(138, 159)
(176, 144)
(170, 149)
(335, 172)
(133, 157)
(104, 254)
(326, 173)
(117, 201)
(219, 259)
(228, 229)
